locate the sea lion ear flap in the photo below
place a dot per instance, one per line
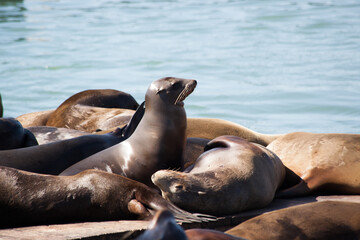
(215, 144)
(159, 90)
(30, 139)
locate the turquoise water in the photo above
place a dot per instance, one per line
(272, 66)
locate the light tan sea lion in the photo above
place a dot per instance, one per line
(231, 176)
(90, 110)
(325, 162)
(210, 128)
(34, 119)
(319, 220)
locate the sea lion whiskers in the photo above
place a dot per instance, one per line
(188, 89)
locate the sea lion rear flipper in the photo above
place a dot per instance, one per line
(300, 189)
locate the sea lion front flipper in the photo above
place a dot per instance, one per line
(136, 207)
(129, 128)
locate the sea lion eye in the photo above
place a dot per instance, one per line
(176, 85)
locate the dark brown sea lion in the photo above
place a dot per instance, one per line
(163, 227)
(319, 220)
(55, 157)
(325, 162)
(210, 128)
(13, 135)
(157, 143)
(35, 118)
(32, 199)
(90, 110)
(194, 148)
(243, 175)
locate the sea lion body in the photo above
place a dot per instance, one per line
(157, 143)
(326, 162)
(32, 199)
(232, 175)
(210, 128)
(13, 135)
(45, 134)
(34, 119)
(208, 234)
(89, 110)
(318, 220)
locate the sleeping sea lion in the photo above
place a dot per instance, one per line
(324, 161)
(32, 199)
(318, 220)
(231, 176)
(94, 109)
(13, 135)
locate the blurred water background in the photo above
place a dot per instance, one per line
(272, 66)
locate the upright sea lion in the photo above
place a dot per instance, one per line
(32, 199)
(157, 143)
(211, 128)
(89, 110)
(13, 135)
(232, 175)
(325, 162)
(319, 220)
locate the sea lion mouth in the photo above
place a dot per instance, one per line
(188, 89)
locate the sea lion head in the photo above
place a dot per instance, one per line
(163, 226)
(13, 135)
(181, 188)
(170, 90)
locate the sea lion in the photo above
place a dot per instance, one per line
(53, 158)
(318, 220)
(210, 128)
(90, 110)
(34, 119)
(163, 227)
(325, 162)
(157, 143)
(32, 199)
(13, 135)
(241, 174)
